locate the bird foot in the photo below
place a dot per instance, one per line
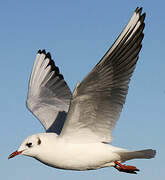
(125, 168)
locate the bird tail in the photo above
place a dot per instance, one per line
(142, 154)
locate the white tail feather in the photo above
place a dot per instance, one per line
(142, 154)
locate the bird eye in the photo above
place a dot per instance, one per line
(29, 144)
(39, 141)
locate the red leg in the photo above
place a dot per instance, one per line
(124, 168)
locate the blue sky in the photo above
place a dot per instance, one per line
(78, 33)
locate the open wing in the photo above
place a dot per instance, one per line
(98, 100)
(48, 95)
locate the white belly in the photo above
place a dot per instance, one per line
(78, 156)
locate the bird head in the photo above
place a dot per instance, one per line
(28, 147)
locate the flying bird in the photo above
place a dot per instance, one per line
(79, 125)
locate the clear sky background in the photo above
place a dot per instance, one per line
(78, 33)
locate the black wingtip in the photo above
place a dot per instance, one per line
(136, 10)
(43, 51)
(60, 76)
(56, 69)
(48, 55)
(53, 67)
(143, 16)
(140, 10)
(52, 64)
(39, 51)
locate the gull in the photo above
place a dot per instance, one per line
(79, 125)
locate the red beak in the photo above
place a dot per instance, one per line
(14, 154)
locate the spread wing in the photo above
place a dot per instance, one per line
(48, 94)
(98, 100)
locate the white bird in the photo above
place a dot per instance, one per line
(79, 125)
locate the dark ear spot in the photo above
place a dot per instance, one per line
(39, 141)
